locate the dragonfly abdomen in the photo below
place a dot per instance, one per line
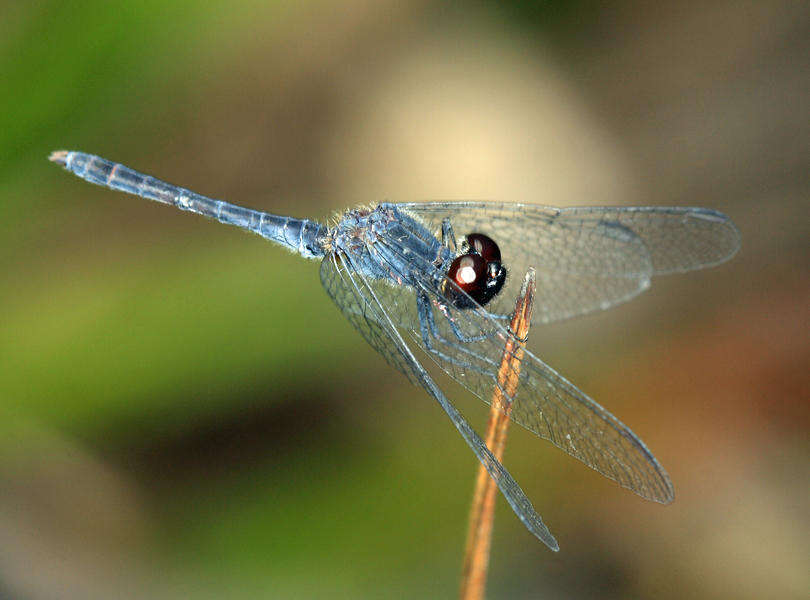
(301, 236)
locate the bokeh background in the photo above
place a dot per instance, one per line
(185, 414)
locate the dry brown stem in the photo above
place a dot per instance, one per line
(482, 513)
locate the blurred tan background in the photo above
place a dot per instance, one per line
(186, 415)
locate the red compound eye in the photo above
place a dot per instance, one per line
(478, 272)
(469, 272)
(485, 246)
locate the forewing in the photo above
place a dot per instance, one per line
(544, 402)
(359, 299)
(587, 258)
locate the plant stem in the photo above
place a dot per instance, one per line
(482, 513)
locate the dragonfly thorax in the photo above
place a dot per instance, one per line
(387, 243)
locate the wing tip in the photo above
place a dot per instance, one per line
(668, 497)
(716, 231)
(664, 492)
(733, 237)
(537, 528)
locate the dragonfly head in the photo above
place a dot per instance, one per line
(477, 271)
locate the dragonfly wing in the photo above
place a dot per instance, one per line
(587, 258)
(468, 344)
(359, 299)
(362, 314)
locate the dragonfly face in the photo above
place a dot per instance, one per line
(477, 271)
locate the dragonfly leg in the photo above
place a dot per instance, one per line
(500, 317)
(430, 332)
(466, 339)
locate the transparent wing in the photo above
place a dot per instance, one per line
(363, 315)
(587, 258)
(469, 344)
(357, 298)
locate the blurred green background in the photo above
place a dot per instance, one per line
(185, 414)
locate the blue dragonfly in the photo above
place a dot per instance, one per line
(414, 290)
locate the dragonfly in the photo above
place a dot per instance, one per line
(415, 291)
